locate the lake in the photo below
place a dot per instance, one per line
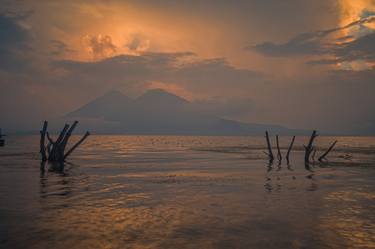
(187, 192)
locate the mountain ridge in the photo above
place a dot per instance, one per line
(161, 113)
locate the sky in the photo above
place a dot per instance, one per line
(302, 64)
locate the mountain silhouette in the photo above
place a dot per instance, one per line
(160, 97)
(160, 112)
(107, 106)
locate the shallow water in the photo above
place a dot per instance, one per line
(187, 192)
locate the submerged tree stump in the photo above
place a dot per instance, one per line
(290, 149)
(270, 154)
(55, 150)
(42, 141)
(279, 157)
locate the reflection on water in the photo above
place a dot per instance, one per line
(349, 215)
(186, 192)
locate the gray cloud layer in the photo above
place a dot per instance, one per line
(314, 43)
(14, 42)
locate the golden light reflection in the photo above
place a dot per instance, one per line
(347, 215)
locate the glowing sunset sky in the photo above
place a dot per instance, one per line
(302, 64)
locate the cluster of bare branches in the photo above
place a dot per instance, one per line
(55, 149)
(279, 155)
(309, 148)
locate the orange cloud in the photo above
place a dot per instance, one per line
(354, 10)
(100, 46)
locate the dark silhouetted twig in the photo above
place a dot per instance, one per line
(327, 151)
(309, 147)
(270, 154)
(290, 148)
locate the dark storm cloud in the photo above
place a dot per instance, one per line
(178, 68)
(122, 69)
(60, 48)
(211, 74)
(360, 49)
(14, 42)
(304, 44)
(314, 43)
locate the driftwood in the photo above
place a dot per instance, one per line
(290, 148)
(279, 157)
(55, 150)
(309, 147)
(327, 151)
(270, 154)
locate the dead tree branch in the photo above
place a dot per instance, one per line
(76, 145)
(270, 154)
(279, 157)
(64, 142)
(323, 156)
(42, 141)
(56, 149)
(290, 148)
(309, 147)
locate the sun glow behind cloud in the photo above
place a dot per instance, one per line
(352, 11)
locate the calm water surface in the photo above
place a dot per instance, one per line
(187, 192)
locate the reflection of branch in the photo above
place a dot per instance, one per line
(42, 167)
(279, 166)
(269, 167)
(289, 167)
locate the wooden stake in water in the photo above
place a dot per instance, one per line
(278, 149)
(309, 147)
(290, 148)
(270, 154)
